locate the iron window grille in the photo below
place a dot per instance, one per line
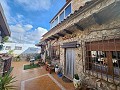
(102, 58)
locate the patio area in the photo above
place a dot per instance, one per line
(37, 79)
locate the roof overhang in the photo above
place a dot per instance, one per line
(4, 28)
(99, 17)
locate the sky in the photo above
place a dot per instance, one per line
(29, 19)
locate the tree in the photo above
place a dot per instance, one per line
(11, 52)
(5, 39)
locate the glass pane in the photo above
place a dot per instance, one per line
(54, 23)
(116, 61)
(61, 17)
(116, 58)
(68, 10)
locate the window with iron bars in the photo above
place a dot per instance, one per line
(102, 58)
(55, 52)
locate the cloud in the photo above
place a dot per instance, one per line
(25, 34)
(21, 31)
(35, 5)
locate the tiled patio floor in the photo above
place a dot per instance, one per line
(37, 79)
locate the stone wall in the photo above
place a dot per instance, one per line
(93, 33)
(107, 30)
(76, 18)
(76, 4)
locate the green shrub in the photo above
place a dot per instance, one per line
(76, 76)
(6, 81)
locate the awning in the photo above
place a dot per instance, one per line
(69, 45)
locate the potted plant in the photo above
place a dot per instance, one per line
(56, 68)
(18, 58)
(77, 82)
(6, 82)
(48, 60)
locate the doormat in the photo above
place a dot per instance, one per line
(65, 79)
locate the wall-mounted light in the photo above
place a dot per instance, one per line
(77, 45)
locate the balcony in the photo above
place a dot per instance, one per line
(62, 14)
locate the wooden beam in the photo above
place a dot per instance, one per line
(67, 31)
(55, 36)
(62, 35)
(97, 19)
(79, 27)
(47, 40)
(51, 38)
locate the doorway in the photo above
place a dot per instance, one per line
(69, 65)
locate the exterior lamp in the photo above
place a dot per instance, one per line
(77, 45)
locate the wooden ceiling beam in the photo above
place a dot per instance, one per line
(62, 35)
(67, 31)
(55, 36)
(79, 27)
(51, 38)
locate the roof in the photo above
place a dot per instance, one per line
(3, 23)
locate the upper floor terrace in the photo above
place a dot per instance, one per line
(88, 13)
(69, 8)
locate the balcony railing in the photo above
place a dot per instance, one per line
(61, 15)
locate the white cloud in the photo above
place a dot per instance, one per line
(16, 28)
(35, 5)
(20, 16)
(23, 33)
(28, 27)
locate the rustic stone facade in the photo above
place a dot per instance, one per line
(76, 4)
(110, 29)
(79, 56)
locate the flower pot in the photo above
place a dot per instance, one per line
(77, 83)
(56, 70)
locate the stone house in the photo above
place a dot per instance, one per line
(85, 37)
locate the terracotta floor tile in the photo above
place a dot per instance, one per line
(41, 83)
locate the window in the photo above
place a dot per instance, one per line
(103, 58)
(61, 17)
(8, 48)
(55, 52)
(18, 48)
(65, 12)
(68, 10)
(54, 23)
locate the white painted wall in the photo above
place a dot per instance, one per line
(27, 48)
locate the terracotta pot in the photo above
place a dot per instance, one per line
(77, 83)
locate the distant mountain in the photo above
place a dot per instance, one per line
(31, 50)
